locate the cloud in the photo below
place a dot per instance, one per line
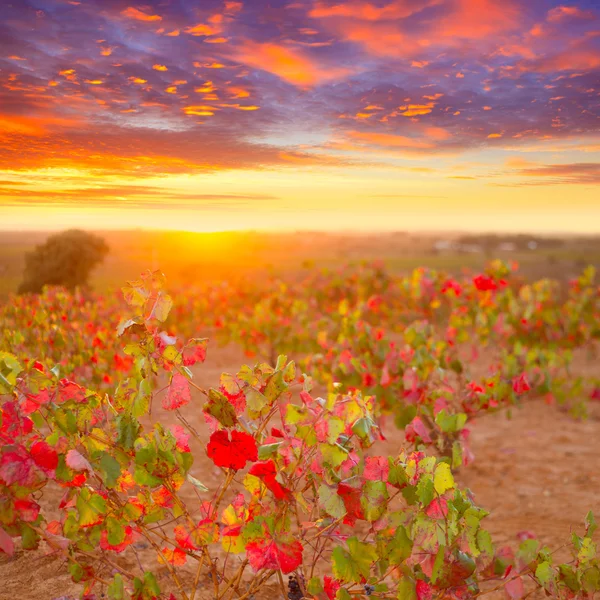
(562, 13)
(291, 65)
(388, 140)
(125, 196)
(309, 83)
(561, 174)
(135, 13)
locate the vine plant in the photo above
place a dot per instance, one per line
(301, 494)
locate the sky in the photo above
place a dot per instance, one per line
(209, 115)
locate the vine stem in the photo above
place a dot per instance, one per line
(147, 535)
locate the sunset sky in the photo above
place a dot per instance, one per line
(212, 115)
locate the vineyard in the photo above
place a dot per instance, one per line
(336, 463)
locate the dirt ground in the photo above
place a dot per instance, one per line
(537, 472)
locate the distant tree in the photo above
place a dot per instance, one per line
(65, 259)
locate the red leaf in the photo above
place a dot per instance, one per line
(234, 453)
(232, 389)
(44, 456)
(194, 352)
(266, 472)
(514, 589)
(163, 497)
(416, 428)
(176, 556)
(179, 393)
(267, 553)
(385, 376)
(331, 586)
(376, 468)
(351, 497)
(77, 462)
(437, 509)
(28, 510)
(118, 548)
(19, 468)
(71, 391)
(181, 437)
(183, 538)
(6, 544)
(484, 283)
(424, 591)
(520, 384)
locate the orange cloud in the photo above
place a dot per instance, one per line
(437, 133)
(160, 68)
(414, 110)
(516, 162)
(478, 19)
(138, 15)
(32, 126)
(202, 29)
(238, 92)
(290, 65)
(365, 11)
(562, 13)
(388, 140)
(201, 111)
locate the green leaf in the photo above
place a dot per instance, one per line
(219, 407)
(256, 403)
(141, 403)
(545, 575)
(397, 475)
(289, 372)
(331, 502)
(127, 428)
(275, 386)
(343, 594)
(10, 367)
(314, 586)
(111, 469)
(268, 450)
(587, 552)
(333, 454)
(425, 490)
(354, 564)
(484, 542)
(373, 499)
(407, 589)
(590, 524)
(115, 531)
(528, 551)
(29, 537)
(438, 564)
(590, 579)
(90, 507)
(568, 576)
(197, 483)
(399, 548)
(116, 590)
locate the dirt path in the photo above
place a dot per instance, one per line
(537, 472)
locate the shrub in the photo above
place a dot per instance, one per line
(65, 259)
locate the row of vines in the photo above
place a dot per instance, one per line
(97, 442)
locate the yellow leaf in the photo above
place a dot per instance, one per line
(443, 479)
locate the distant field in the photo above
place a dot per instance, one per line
(193, 257)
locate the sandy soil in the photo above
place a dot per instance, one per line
(538, 471)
